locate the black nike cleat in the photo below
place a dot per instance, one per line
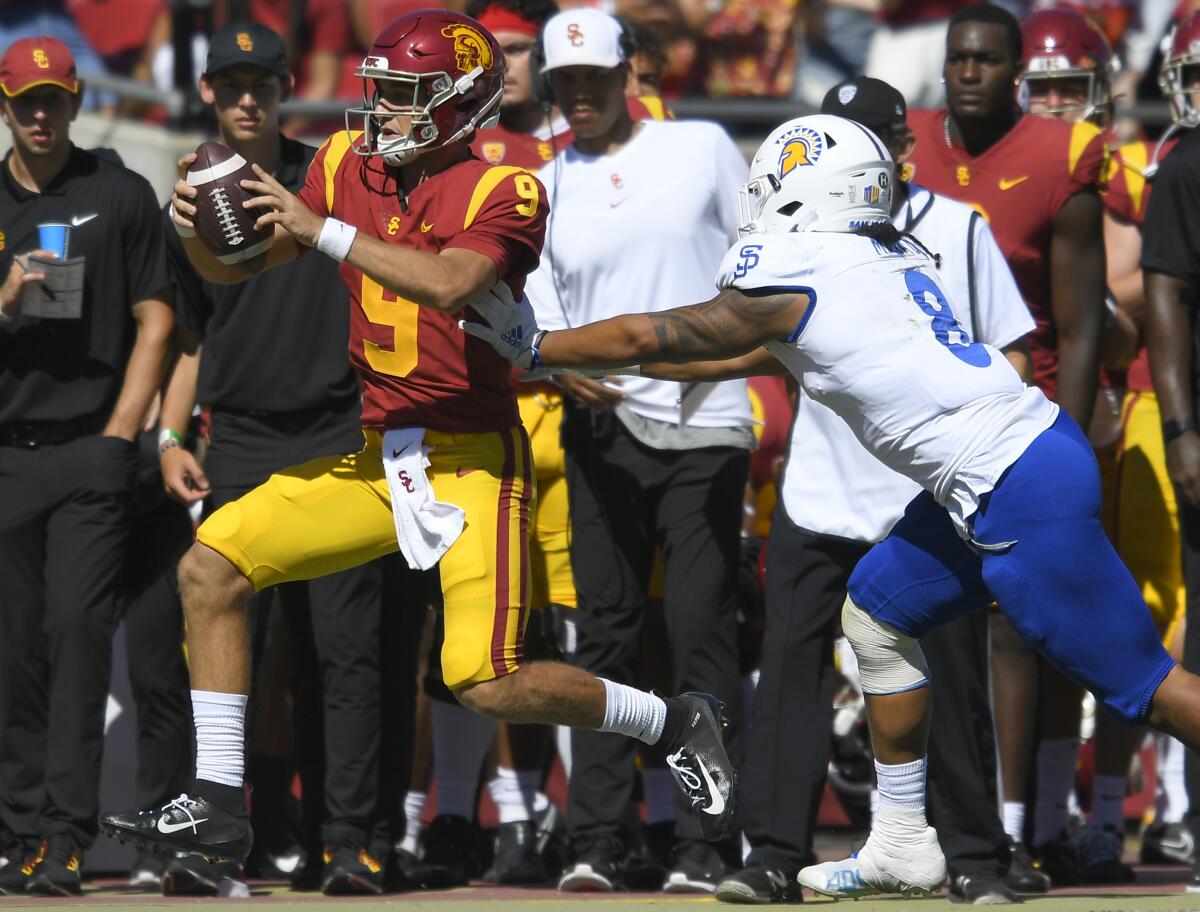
(188, 824)
(700, 765)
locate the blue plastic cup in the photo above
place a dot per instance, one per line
(53, 238)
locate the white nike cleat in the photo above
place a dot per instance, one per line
(916, 868)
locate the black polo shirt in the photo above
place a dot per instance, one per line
(1171, 232)
(277, 341)
(60, 370)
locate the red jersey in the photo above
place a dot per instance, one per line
(1125, 194)
(417, 368)
(500, 145)
(1018, 185)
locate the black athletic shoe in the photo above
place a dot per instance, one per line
(350, 870)
(1194, 884)
(598, 867)
(696, 868)
(1023, 875)
(191, 875)
(1098, 852)
(646, 866)
(981, 890)
(759, 884)
(515, 859)
(58, 873)
(146, 872)
(1168, 843)
(16, 875)
(190, 824)
(1057, 859)
(700, 765)
(449, 851)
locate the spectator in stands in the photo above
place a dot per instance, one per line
(641, 213)
(907, 49)
(837, 35)
(77, 373)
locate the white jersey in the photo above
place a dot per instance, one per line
(643, 230)
(840, 489)
(880, 347)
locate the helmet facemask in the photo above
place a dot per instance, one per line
(1096, 97)
(1173, 81)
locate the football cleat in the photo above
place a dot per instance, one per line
(193, 825)
(351, 870)
(58, 873)
(758, 884)
(916, 869)
(191, 875)
(599, 865)
(701, 767)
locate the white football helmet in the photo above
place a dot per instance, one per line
(817, 173)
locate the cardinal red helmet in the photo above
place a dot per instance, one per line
(1182, 51)
(1060, 45)
(1112, 17)
(441, 68)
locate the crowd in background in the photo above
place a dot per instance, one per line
(424, 804)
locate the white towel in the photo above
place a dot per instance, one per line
(425, 528)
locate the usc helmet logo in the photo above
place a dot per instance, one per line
(575, 34)
(245, 42)
(40, 60)
(471, 49)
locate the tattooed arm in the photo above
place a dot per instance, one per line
(757, 363)
(732, 324)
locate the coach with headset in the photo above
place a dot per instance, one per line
(641, 214)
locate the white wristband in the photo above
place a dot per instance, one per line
(179, 229)
(336, 239)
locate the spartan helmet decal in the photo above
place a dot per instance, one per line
(471, 49)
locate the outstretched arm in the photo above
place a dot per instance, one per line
(732, 324)
(757, 363)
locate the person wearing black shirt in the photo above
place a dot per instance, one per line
(1171, 274)
(83, 344)
(268, 357)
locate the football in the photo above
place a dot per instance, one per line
(221, 220)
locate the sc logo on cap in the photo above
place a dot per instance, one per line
(245, 42)
(575, 34)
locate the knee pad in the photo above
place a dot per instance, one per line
(888, 661)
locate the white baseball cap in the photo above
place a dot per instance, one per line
(582, 37)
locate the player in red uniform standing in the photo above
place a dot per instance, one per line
(445, 475)
(1035, 181)
(1068, 74)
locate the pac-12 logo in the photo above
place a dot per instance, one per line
(471, 49)
(749, 259)
(802, 146)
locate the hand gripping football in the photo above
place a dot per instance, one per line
(221, 220)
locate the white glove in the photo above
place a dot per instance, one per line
(510, 327)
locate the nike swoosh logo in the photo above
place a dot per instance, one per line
(426, 227)
(168, 828)
(718, 803)
(77, 220)
(1008, 184)
(460, 472)
(396, 453)
(617, 203)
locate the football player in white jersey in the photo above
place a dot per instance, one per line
(1010, 506)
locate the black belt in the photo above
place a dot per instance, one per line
(30, 435)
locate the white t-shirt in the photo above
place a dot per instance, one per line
(838, 488)
(880, 346)
(643, 230)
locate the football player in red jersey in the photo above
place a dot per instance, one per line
(1068, 74)
(445, 475)
(1035, 180)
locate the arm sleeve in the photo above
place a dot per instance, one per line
(1171, 233)
(509, 226)
(730, 174)
(192, 305)
(1003, 316)
(144, 243)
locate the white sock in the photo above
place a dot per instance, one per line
(658, 790)
(562, 740)
(1108, 800)
(1014, 820)
(414, 809)
(460, 740)
(220, 720)
(902, 785)
(1172, 793)
(633, 712)
(515, 793)
(1056, 759)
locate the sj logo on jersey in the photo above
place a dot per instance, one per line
(799, 147)
(749, 259)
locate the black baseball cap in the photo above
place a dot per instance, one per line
(870, 102)
(240, 43)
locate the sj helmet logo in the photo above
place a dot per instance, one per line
(245, 42)
(575, 34)
(40, 60)
(471, 49)
(801, 148)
